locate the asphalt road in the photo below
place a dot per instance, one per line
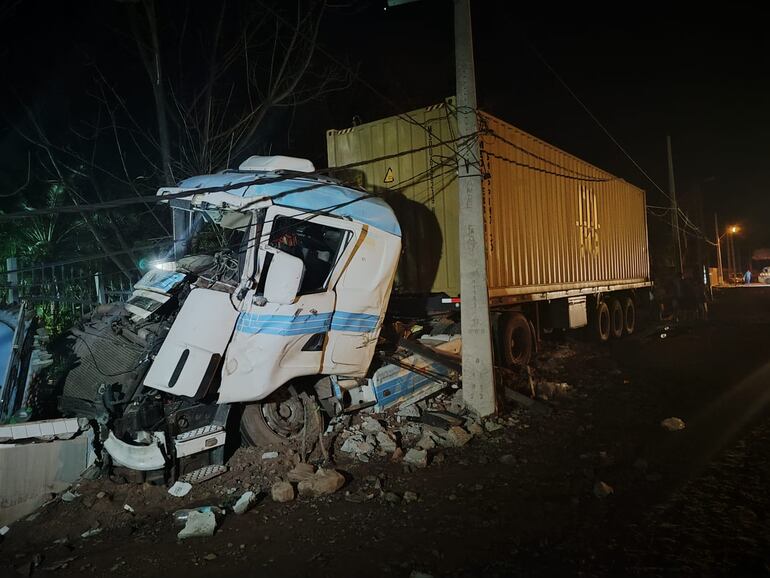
(686, 503)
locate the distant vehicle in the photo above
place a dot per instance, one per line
(764, 276)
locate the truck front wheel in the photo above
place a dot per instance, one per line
(515, 340)
(285, 418)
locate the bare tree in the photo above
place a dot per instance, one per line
(254, 63)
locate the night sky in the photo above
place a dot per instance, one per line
(642, 70)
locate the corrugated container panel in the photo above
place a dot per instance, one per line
(552, 221)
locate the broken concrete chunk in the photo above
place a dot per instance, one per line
(301, 471)
(69, 496)
(457, 436)
(357, 446)
(411, 430)
(269, 455)
(180, 489)
(322, 483)
(408, 411)
(371, 426)
(672, 424)
(244, 502)
(410, 496)
(475, 429)
(492, 426)
(392, 497)
(129, 509)
(386, 442)
(417, 458)
(282, 492)
(602, 490)
(90, 533)
(426, 442)
(198, 525)
(4, 530)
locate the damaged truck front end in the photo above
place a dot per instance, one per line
(294, 288)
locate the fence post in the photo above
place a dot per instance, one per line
(101, 298)
(12, 264)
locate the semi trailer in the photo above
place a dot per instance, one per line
(308, 295)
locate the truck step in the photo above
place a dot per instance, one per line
(203, 474)
(198, 433)
(199, 440)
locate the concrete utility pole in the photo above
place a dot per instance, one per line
(719, 251)
(674, 207)
(478, 371)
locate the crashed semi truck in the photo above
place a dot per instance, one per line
(307, 295)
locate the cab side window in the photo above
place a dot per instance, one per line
(317, 245)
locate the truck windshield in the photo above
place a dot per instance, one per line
(222, 235)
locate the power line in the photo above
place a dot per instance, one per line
(596, 120)
(614, 140)
(261, 181)
(541, 170)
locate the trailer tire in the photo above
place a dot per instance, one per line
(282, 419)
(616, 319)
(602, 322)
(629, 316)
(516, 341)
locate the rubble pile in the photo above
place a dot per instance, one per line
(412, 435)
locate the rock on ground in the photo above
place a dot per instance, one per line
(386, 442)
(199, 525)
(244, 502)
(323, 482)
(282, 492)
(672, 424)
(457, 436)
(418, 458)
(301, 471)
(602, 490)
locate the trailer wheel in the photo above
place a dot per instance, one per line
(629, 315)
(516, 340)
(616, 318)
(602, 321)
(282, 419)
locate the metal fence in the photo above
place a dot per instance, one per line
(73, 289)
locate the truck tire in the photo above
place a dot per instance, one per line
(601, 322)
(629, 316)
(616, 318)
(515, 340)
(283, 419)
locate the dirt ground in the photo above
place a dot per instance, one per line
(685, 503)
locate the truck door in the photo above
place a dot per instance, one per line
(276, 341)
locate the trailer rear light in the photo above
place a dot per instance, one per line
(450, 300)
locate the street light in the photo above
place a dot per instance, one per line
(731, 230)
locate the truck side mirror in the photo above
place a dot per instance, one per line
(284, 277)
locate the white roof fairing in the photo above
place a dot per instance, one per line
(303, 193)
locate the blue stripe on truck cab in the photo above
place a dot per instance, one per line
(253, 323)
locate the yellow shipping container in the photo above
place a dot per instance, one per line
(554, 225)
